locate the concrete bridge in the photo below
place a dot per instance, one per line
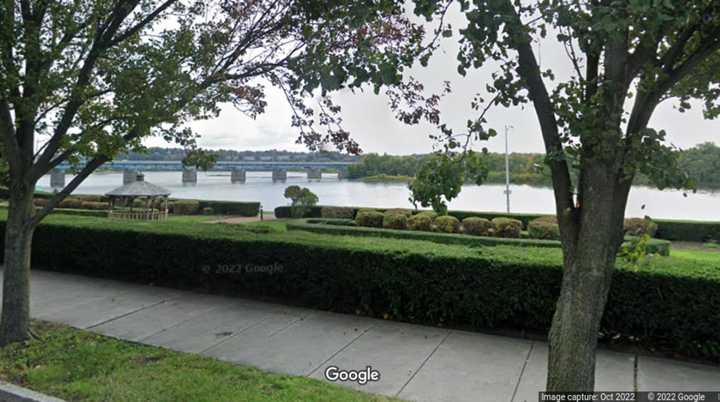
(238, 169)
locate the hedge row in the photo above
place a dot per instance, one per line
(662, 306)
(668, 229)
(341, 227)
(232, 207)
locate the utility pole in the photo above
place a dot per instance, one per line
(507, 170)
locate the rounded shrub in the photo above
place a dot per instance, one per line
(420, 222)
(369, 218)
(394, 220)
(640, 227)
(430, 214)
(477, 226)
(208, 211)
(406, 212)
(186, 207)
(337, 212)
(40, 202)
(545, 227)
(447, 224)
(507, 227)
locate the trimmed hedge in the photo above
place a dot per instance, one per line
(507, 227)
(185, 207)
(447, 224)
(699, 231)
(231, 207)
(369, 218)
(663, 306)
(669, 229)
(394, 220)
(337, 212)
(477, 226)
(420, 222)
(639, 227)
(654, 246)
(545, 227)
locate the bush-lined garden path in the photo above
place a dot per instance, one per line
(415, 362)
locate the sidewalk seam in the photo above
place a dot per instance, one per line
(522, 371)
(340, 350)
(420, 367)
(90, 327)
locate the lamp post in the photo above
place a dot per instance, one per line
(507, 170)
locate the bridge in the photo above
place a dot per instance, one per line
(189, 175)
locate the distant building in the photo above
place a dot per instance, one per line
(248, 158)
(266, 158)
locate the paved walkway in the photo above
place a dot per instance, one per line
(415, 362)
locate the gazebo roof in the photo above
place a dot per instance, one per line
(139, 188)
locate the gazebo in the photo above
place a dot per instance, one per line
(153, 199)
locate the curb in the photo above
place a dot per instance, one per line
(13, 393)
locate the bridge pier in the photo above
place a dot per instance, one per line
(279, 175)
(237, 176)
(57, 178)
(342, 174)
(189, 176)
(314, 174)
(129, 176)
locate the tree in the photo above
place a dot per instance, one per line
(441, 177)
(91, 79)
(301, 198)
(200, 159)
(641, 52)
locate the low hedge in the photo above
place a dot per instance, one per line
(447, 224)
(675, 308)
(369, 218)
(244, 208)
(685, 230)
(185, 207)
(654, 246)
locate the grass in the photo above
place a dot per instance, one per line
(81, 366)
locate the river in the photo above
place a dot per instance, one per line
(259, 187)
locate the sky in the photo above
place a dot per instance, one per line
(372, 124)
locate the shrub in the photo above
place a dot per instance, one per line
(420, 221)
(507, 227)
(95, 205)
(337, 212)
(186, 207)
(369, 218)
(72, 203)
(40, 202)
(429, 214)
(239, 208)
(498, 288)
(447, 224)
(545, 227)
(208, 211)
(477, 226)
(302, 200)
(640, 226)
(698, 231)
(394, 220)
(406, 212)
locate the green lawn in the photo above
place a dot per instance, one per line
(81, 366)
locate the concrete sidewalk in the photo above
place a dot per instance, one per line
(415, 362)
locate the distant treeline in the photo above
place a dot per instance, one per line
(177, 154)
(702, 164)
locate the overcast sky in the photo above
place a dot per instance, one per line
(372, 124)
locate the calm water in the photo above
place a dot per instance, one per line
(259, 187)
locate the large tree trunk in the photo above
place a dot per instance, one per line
(15, 320)
(589, 259)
